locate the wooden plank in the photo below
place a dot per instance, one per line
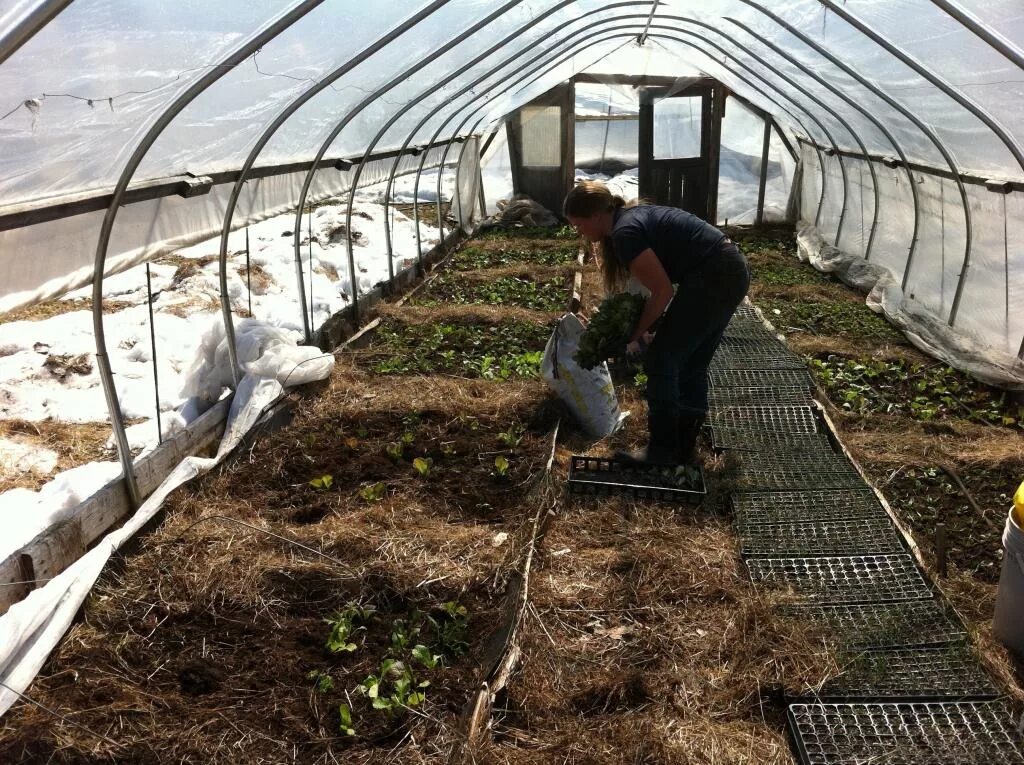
(55, 549)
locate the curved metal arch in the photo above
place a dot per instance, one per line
(426, 93)
(234, 58)
(982, 30)
(793, 84)
(264, 139)
(28, 25)
(614, 36)
(924, 128)
(352, 113)
(967, 103)
(874, 120)
(412, 133)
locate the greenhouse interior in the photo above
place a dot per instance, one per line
(303, 456)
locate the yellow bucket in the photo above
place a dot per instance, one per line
(1018, 505)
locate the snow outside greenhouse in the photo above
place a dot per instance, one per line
(297, 460)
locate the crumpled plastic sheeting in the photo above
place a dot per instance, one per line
(31, 628)
(264, 350)
(928, 332)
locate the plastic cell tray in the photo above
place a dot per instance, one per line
(849, 536)
(607, 476)
(747, 329)
(909, 624)
(776, 419)
(788, 395)
(760, 378)
(910, 674)
(753, 440)
(808, 506)
(845, 579)
(760, 356)
(767, 471)
(968, 733)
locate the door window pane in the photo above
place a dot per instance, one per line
(677, 127)
(542, 136)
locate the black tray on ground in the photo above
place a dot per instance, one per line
(779, 471)
(943, 673)
(843, 579)
(760, 378)
(783, 395)
(607, 476)
(805, 539)
(807, 506)
(760, 356)
(752, 440)
(867, 626)
(970, 733)
(761, 419)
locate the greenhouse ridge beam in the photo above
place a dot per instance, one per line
(642, 37)
(156, 128)
(921, 125)
(398, 79)
(261, 142)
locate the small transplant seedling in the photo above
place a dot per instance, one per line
(322, 682)
(346, 724)
(501, 465)
(345, 624)
(322, 483)
(510, 438)
(422, 466)
(374, 492)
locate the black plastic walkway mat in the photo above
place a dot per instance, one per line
(909, 624)
(771, 507)
(759, 419)
(605, 476)
(846, 579)
(760, 378)
(747, 329)
(750, 440)
(768, 471)
(849, 536)
(911, 674)
(759, 356)
(969, 733)
(789, 395)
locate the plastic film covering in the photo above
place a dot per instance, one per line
(467, 185)
(57, 256)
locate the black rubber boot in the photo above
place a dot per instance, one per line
(662, 444)
(689, 431)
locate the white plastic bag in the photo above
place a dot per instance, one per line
(588, 393)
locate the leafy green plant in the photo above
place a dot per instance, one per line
(394, 687)
(344, 625)
(609, 329)
(395, 450)
(510, 438)
(373, 492)
(323, 482)
(426, 657)
(422, 466)
(451, 627)
(501, 466)
(322, 682)
(345, 723)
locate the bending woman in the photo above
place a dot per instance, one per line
(660, 247)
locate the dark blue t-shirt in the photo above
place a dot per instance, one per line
(680, 239)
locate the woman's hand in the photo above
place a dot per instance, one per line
(636, 348)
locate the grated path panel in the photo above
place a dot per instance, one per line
(749, 330)
(766, 471)
(847, 579)
(790, 395)
(746, 440)
(775, 356)
(759, 419)
(970, 733)
(910, 674)
(760, 378)
(812, 505)
(911, 624)
(857, 536)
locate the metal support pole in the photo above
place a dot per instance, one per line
(22, 30)
(264, 139)
(763, 181)
(212, 74)
(642, 37)
(248, 270)
(152, 346)
(993, 38)
(355, 111)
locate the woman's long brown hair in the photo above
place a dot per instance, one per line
(589, 198)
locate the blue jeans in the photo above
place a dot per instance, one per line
(678, 358)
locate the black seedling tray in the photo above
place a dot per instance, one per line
(811, 505)
(607, 476)
(789, 395)
(847, 579)
(745, 329)
(857, 536)
(760, 419)
(761, 356)
(970, 733)
(944, 673)
(745, 439)
(768, 471)
(760, 378)
(910, 624)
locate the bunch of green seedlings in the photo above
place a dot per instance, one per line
(418, 644)
(608, 331)
(472, 350)
(549, 295)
